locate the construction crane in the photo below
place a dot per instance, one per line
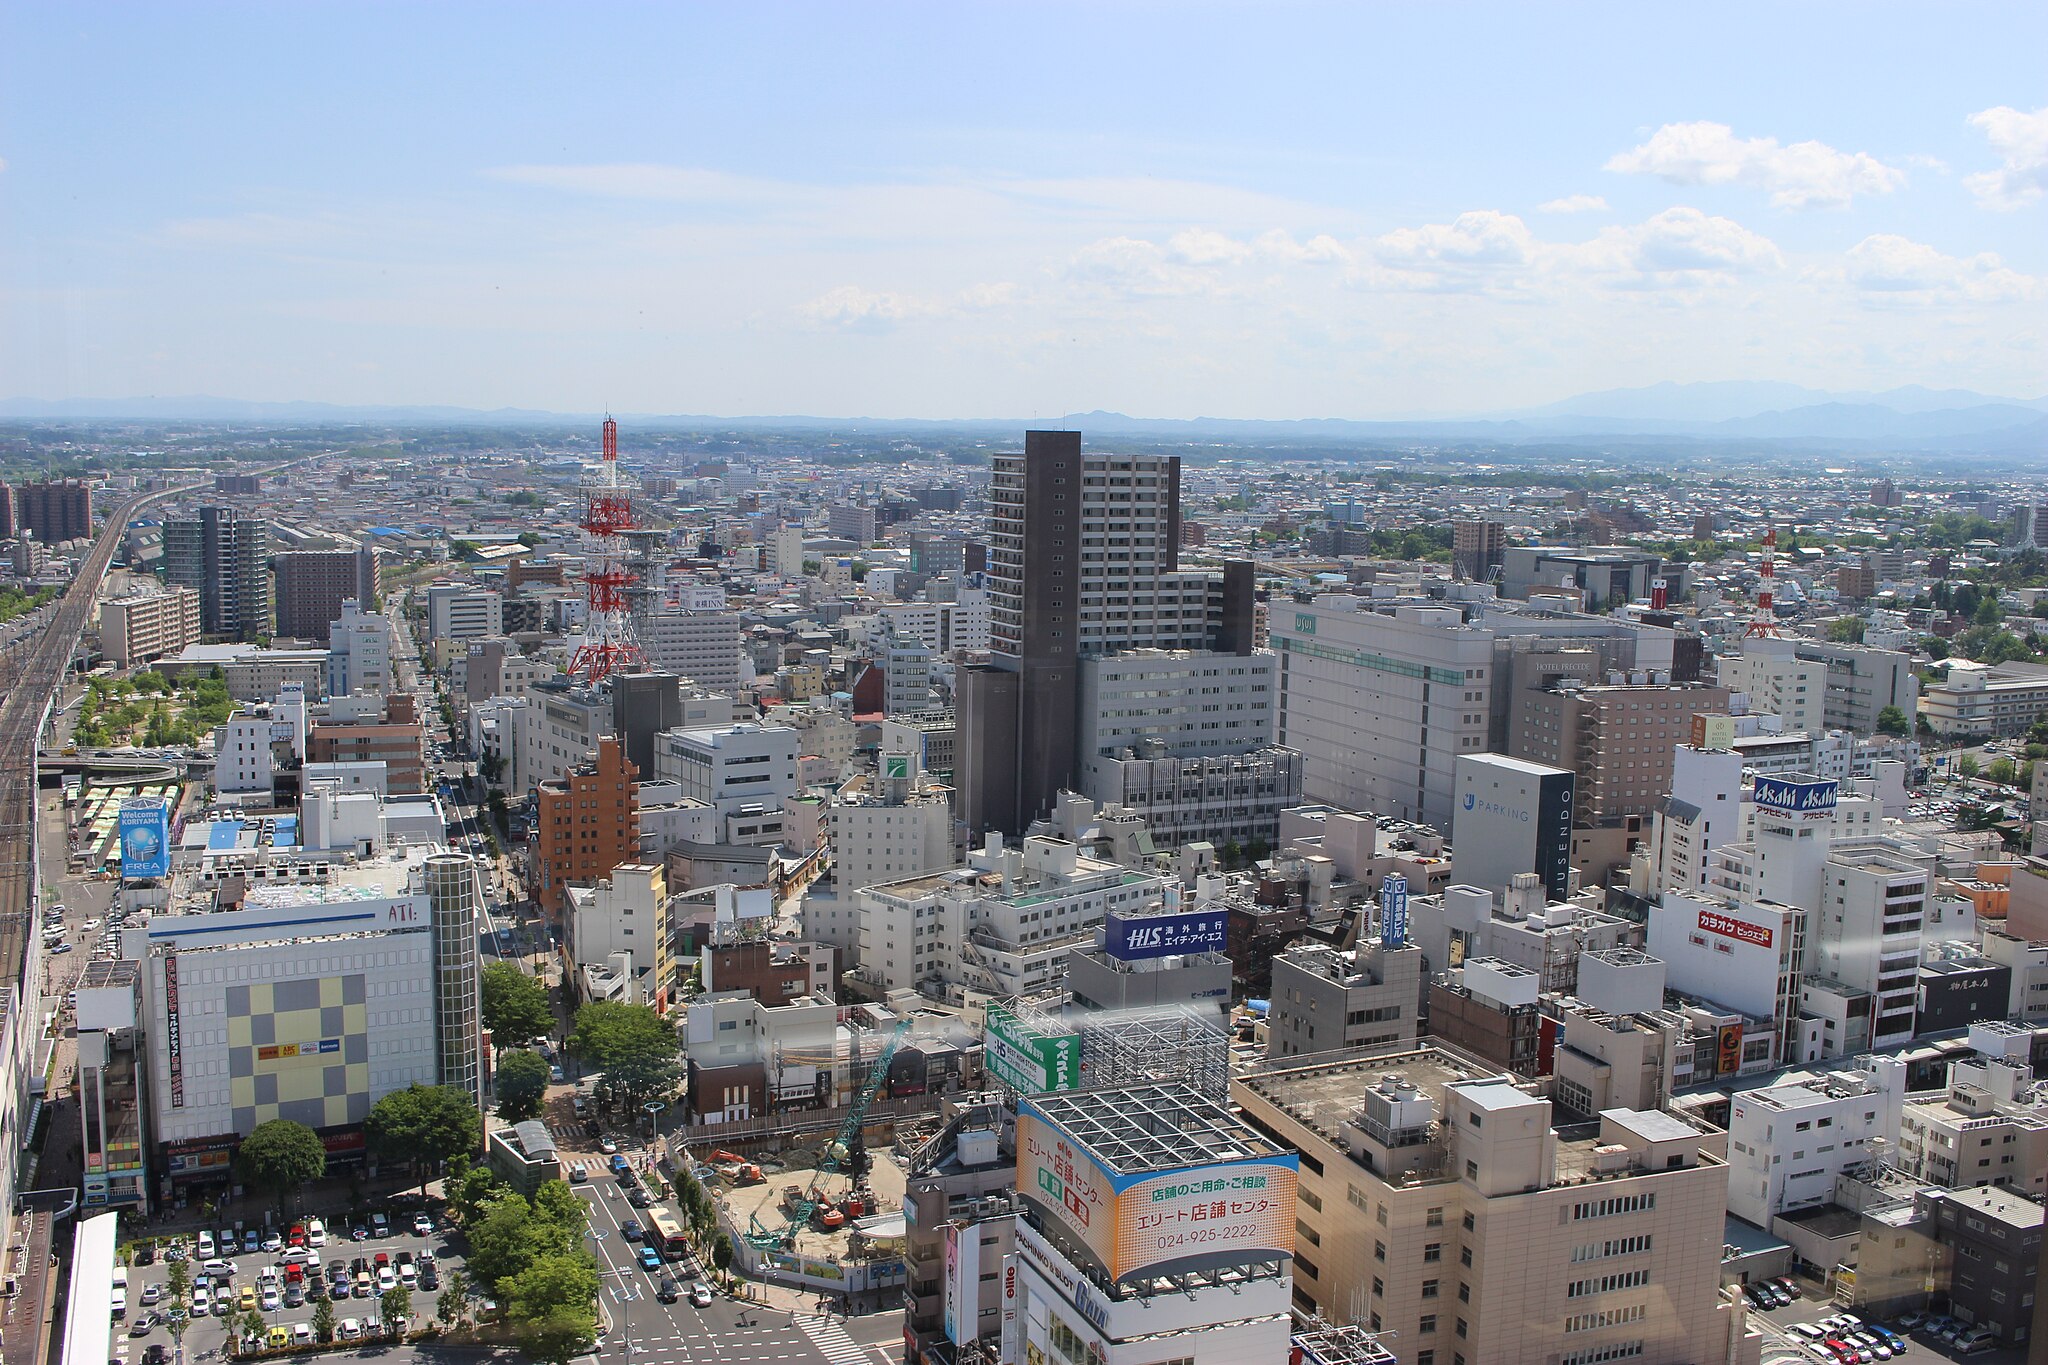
(762, 1237)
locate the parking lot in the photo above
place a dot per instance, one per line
(1784, 1338)
(210, 1331)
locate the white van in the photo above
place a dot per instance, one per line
(120, 1295)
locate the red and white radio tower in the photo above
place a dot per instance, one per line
(608, 645)
(1765, 622)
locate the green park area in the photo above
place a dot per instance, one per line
(151, 710)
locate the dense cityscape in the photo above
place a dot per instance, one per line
(1311, 683)
(663, 888)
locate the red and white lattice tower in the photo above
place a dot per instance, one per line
(609, 645)
(1765, 622)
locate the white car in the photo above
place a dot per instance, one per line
(408, 1275)
(272, 1242)
(349, 1329)
(202, 1302)
(700, 1294)
(302, 1334)
(205, 1245)
(422, 1226)
(316, 1233)
(299, 1256)
(386, 1281)
(270, 1300)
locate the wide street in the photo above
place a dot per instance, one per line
(648, 1332)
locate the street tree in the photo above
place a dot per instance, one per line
(551, 1305)
(281, 1155)
(722, 1253)
(424, 1126)
(515, 1006)
(522, 1084)
(323, 1320)
(633, 1046)
(393, 1308)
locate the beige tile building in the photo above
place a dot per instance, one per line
(1439, 1203)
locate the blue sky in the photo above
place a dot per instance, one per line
(1359, 210)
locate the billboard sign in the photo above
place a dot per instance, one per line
(1134, 1224)
(1727, 926)
(1029, 1062)
(1394, 911)
(145, 830)
(1135, 937)
(896, 766)
(1728, 1052)
(174, 1043)
(1782, 796)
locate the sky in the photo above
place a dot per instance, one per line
(1362, 210)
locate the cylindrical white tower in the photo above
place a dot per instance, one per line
(455, 897)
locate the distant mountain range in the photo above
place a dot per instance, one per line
(1911, 418)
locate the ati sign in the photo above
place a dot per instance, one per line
(1781, 797)
(1727, 926)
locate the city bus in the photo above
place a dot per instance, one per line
(665, 1233)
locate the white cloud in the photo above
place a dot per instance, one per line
(858, 309)
(1203, 246)
(1484, 237)
(1912, 271)
(1575, 203)
(1134, 267)
(1321, 249)
(1803, 175)
(2022, 139)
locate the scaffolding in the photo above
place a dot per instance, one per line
(1349, 1345)
(1171, 1043)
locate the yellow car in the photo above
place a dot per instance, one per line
(246, 1299)
(280, 1336)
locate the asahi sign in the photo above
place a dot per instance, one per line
(1809, 799)
(173, 1044)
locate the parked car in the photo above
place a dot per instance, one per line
(349, 1329)
(422, 1226)
(380, 1226)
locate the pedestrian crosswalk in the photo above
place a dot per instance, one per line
(831, 1340)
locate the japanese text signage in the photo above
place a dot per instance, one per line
(173, 1043)
(1727, 926)
(1234, 1210)
(1780, 796)
(1133, 938)
(1029, 1062)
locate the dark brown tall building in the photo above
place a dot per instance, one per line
(8, 527)
(585, 825)
(54, 511)
(1083, 560)
(1478, 549)
(311, 585)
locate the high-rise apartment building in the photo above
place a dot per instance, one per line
(1617, 740)
(1478, 549)
(1861, 681)
(359, 649)
(54, 511)
(311, 586)
(585, 825)
(1083, 561)
(224, 556)
(1443, 1207)
(463, 611)
(10, 523)
(148, 624)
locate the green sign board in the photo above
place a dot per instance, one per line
(1029, 1062)
(896, 765)
(1305, 622)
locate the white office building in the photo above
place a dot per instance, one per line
(462, 611)
(743, 771)
(1381, 705)
(1779, 682)
(702, 646)
(1000, 926)
(1788, 1141)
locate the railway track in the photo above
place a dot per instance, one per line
(28, 679)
